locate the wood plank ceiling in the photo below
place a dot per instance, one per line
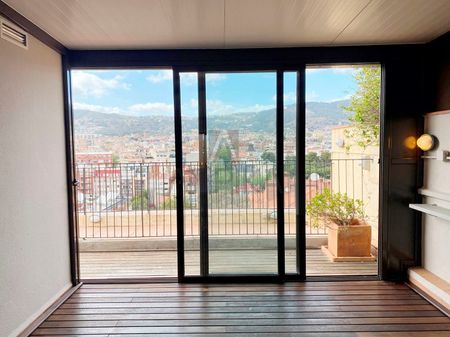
(128, 24)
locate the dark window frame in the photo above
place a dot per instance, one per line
(287, 59)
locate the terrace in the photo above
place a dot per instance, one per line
(127, 217)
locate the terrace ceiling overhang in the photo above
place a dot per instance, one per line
(156, 24)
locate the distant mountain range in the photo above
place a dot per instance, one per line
(319, 115)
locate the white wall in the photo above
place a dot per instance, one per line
(34, 244)
(436, 232)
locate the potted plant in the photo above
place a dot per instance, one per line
(349, 236)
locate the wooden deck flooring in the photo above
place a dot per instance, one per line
(102, 265)
(314, 309)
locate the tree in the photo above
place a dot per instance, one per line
(313, 164)
(261, 179)
(318, 164)
(224, 153)
(325, 156)
(311, 157)
(269, 156)
(140, 201)
(221, 177)
(115, 159)
(224, 157)
(365, 107)
(290, 166)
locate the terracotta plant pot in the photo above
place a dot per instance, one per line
(350, 241)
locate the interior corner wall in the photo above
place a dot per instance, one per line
(435, 231)
(34, 239)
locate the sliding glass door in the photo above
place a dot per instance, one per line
(342, 156)
(123, 128)
(240, 172)
(231, 142)
(239, 181)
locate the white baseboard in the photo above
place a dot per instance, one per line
(437, 289)
(27, 327)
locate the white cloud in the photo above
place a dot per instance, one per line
(156, 108)
(160, 76)
(217, 107)
(340, 98)
(145, 109)
(97, 108)
(85, 83)
(314, 70)
(311, 95)
(342, 70)
(194, 103)
(215, 77)
(335, 69)
(289, 97)
(189, 79)
(255, 108)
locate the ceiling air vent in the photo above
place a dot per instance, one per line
(12, 33)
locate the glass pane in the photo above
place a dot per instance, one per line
(341, 158)
(125, 163)
(241, 142)
(191, 188)
(290, 166)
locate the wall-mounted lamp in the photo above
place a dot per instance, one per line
(426, 142)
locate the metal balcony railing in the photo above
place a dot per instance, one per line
(128, 200)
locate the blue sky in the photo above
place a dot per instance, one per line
(149, 92)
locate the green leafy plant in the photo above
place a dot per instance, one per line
(260, 180)
(140, 201)
(269, 156)
(364, 107)
(115, 159)
(328, 207)
(224, 155)
(172, 204)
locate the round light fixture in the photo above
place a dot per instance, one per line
(426, 142)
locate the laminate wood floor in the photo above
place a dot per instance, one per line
(315, 309)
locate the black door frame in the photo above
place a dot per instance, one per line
(203, 176)
(398, 187)
(300, 274)
(281, 275)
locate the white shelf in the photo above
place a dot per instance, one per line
(437, 211)
(433, 194)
